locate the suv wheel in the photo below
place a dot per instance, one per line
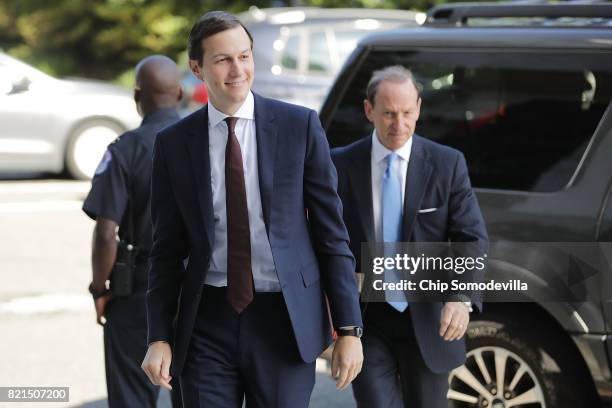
(510, 369)
(87, 145)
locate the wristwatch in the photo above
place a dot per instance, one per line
(354, 331)
(458, 297)
(97, 293)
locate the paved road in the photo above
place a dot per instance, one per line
(49, 334)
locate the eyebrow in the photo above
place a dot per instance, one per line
(227, 55)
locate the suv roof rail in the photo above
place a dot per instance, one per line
(458, 14)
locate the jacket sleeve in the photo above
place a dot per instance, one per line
(329, 234)
(170, 248)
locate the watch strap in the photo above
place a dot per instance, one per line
(356, 331)
(97, 293)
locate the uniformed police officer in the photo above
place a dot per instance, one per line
(120, 191)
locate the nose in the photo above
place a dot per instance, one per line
(403, 124)
(396, 124)
(235, 68)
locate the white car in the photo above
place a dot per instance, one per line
(54, 125)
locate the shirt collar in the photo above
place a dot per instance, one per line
(380, 152)
(246, 111)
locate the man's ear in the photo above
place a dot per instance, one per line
(368, 108)
(194, 66)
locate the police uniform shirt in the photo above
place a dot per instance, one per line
(122, 179)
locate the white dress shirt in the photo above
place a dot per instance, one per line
(379, 165)
(262, 263)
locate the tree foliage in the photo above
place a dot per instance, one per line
(104, 38)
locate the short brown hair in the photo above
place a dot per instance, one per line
(394, 73)
(208, 25)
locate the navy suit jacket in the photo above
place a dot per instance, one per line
(302, 213)
(437, 177)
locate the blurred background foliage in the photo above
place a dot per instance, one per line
(105, 38)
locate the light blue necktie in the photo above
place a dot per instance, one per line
(392, 226)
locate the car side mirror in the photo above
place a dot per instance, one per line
(20, 86)
(12, 82)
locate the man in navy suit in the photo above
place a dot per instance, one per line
(399, 187)
(248, 242)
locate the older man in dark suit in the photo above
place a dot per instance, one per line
(399, 187)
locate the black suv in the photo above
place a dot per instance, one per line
(524, 91)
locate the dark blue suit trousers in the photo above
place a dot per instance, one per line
(259, 345)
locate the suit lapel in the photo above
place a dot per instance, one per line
(197, 146)
(266, 133)
(361, 184)
(417, 178)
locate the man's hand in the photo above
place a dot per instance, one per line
(156, 364)
(347, 359)
(454, 320)
(100, 304)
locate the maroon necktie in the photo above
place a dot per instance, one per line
(239, 274)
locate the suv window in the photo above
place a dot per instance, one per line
(319, 60)
(291, 52)
(522, 119)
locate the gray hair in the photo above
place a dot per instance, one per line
(395, 73)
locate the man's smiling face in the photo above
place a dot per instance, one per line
(227, 68)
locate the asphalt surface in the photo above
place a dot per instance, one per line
(47, 320)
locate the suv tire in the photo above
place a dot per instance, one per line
(533, 372)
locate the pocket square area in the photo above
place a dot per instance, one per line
(427, 210)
